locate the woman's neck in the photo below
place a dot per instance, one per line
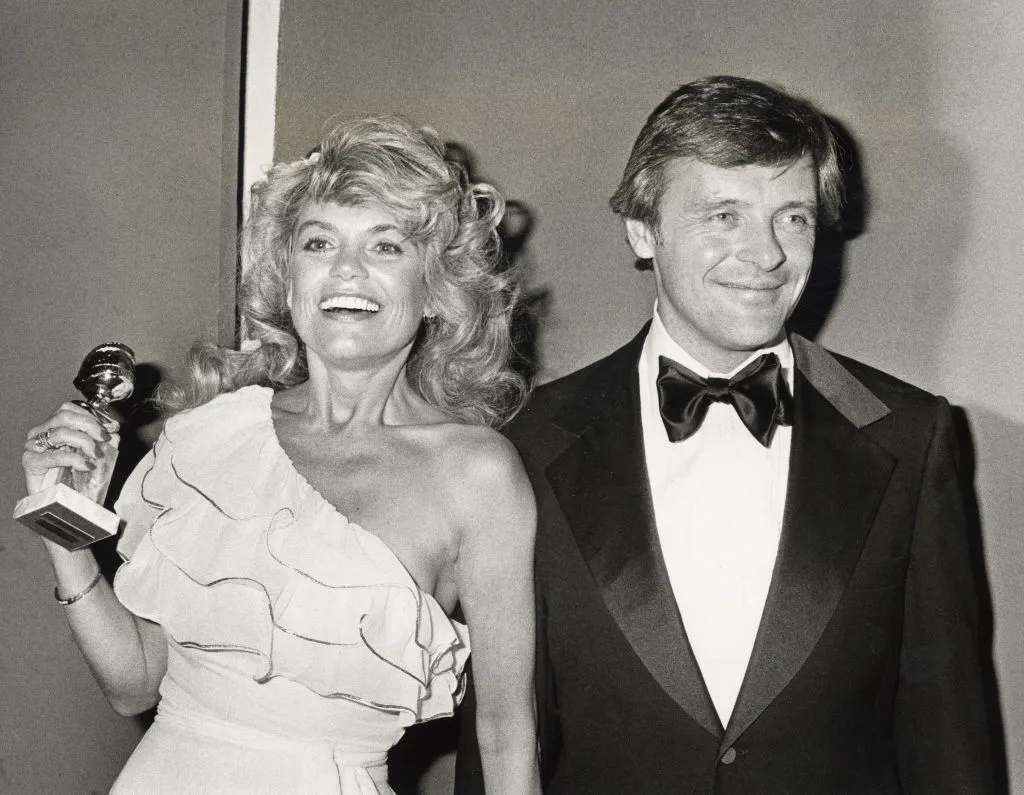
(333, 398)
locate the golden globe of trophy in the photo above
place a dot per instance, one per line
(69, 510)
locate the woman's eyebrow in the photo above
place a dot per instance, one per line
(315, 223)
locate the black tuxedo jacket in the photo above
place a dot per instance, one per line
(865, 676)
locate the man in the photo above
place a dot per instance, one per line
(752, 566)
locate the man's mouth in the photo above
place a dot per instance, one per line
(752, 287)
(349, 303)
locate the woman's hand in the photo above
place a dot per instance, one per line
(70, 438)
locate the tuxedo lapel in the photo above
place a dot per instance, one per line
(601, 484)
(836, 482)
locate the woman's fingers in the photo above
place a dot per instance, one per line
(70, 417)
(71, 437)
(38, 463)
(63, 439)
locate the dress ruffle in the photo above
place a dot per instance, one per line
(234, 553)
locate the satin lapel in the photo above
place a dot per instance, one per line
(837, 479)
(601, 484)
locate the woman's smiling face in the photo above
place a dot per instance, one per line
(357, 292)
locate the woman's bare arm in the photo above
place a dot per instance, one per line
(126, 654)
(494, 574)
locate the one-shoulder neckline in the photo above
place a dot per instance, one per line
(268, 417)
(241, 560)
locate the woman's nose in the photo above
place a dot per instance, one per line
(349, 265)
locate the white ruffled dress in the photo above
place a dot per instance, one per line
(299, 647)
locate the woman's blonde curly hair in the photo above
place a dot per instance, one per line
(460, 362)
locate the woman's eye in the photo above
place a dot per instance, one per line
(387, 248)
(316, 244)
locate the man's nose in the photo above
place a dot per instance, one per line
(760, 246)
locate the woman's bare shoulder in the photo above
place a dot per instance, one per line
(476, 451)
(484, 479)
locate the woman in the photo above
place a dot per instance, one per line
(300, 533)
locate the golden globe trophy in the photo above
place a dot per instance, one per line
(69, 510)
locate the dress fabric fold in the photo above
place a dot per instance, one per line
(297, 640)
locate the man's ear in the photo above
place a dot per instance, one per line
(641, 238)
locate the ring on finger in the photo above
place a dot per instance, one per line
(43, 443)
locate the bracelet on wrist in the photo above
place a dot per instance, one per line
(72, 599)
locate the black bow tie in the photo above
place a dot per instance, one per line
(758, 392)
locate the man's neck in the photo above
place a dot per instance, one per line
(661, 342)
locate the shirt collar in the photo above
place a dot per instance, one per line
(659, 343)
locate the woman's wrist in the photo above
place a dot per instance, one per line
(78, 594)
(75, 572)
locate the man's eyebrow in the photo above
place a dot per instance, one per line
(713, 202)
(801, 204)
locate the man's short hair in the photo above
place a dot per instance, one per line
(727, 122)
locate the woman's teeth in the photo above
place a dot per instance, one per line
(337, 302)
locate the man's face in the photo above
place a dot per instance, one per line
(733, 254)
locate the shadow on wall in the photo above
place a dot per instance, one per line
(826, 279)
(897, 315)
(534, 303)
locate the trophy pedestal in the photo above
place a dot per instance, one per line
(66, 517)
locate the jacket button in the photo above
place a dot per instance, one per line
(729, 756)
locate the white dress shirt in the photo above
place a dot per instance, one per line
(718, 502)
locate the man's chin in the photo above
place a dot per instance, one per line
(753, 330)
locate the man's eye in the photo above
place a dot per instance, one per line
(723, 217)
(798, 220)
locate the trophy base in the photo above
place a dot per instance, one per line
(65, 517)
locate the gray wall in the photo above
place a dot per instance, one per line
(549, 97)
(112, 117)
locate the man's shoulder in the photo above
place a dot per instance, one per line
(897, 398)
(584, 390)
(884, 384)
(572, 386)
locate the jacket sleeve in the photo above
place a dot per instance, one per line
(942, 721)
(548, 725)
